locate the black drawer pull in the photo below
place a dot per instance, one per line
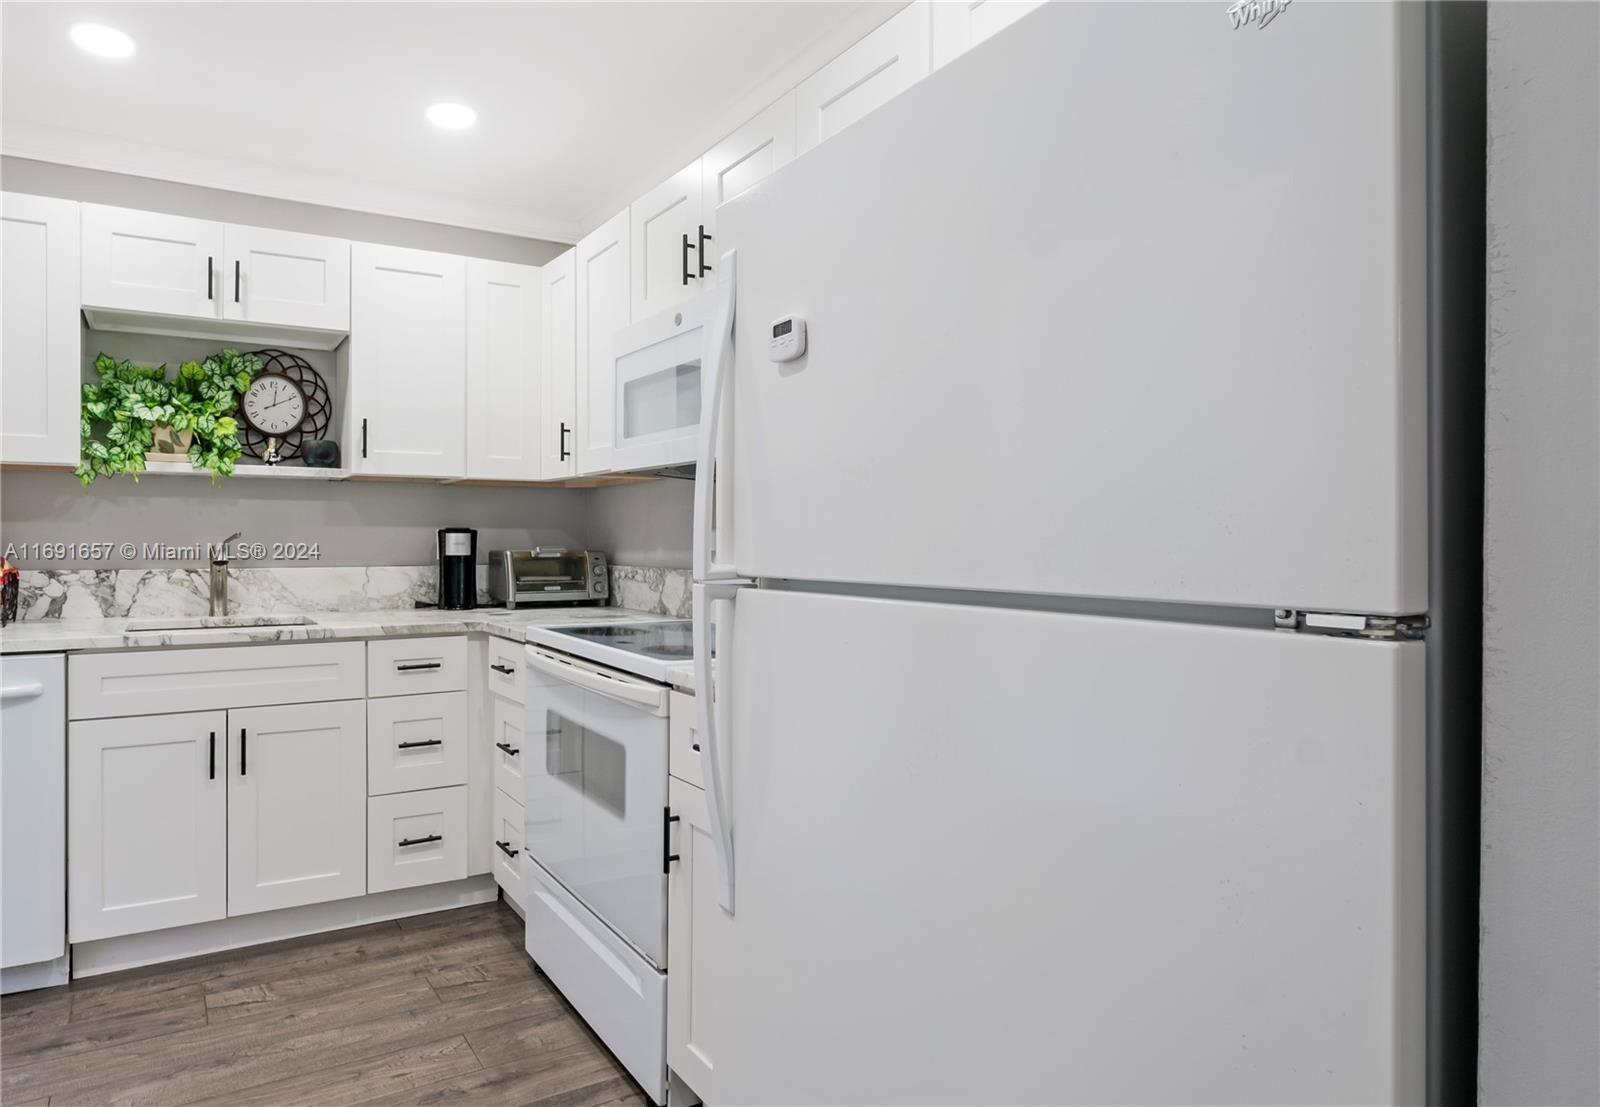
(241, 751)
(417, 666)
(415, 745)
(505, 848)
(213, 755)
(507, 748)
(667, 856)
(422, 841)
(506, 669)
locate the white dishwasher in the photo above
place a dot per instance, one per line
(33, 821)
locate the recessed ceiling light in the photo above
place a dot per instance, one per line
(101, 41)
(452, 117)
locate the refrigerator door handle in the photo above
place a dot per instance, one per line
(713, 384)
(713, 711)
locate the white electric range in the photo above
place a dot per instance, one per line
(598, 827)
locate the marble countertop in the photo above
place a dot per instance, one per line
(59, 635)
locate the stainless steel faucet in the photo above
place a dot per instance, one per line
(219, 576)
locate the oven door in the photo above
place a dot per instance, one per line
(595, 782)
(658, 388)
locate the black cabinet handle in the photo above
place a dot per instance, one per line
(422, 841)
(506, 669)
(704, 238)
(667, 856)
(417, 666)
(507, 748)
(565, 453)
(213, 775)
(236, 275)
(686, 249)
(415, 745)
(210, 272)
(241, 751)
(363, 438)
(505, 848)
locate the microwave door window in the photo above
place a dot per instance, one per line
(662, 402)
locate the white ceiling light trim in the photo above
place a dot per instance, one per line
(451, 116)
(100, 40)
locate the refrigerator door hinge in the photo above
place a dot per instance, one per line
(1378, 628)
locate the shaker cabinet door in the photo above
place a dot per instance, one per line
(558, 439)
(150, 262)
(603, 308)
(665, 225)
(286, 279)
(872, 72)
(408, 362)
(40, 360)
(147, 823)
(503, 379)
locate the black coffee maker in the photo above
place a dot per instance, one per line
(458, 568)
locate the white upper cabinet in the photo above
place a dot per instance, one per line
(878, 68)
(958, 27)
(746, 156)
(503, 379)
(40, 361)
(667, 235)
(286, 279)
(297, 805)
(148, 262)
(147, 823)
(408, 353)
(557, 438)
(602, 289)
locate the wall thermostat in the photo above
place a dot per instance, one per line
(788, 338)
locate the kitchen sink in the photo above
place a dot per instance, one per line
(215, 622)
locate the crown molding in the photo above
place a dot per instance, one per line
(38, 142)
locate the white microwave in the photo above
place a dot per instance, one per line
(657, 380)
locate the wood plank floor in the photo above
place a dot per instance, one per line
(443, 1008)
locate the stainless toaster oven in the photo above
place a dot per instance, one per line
(543, 575)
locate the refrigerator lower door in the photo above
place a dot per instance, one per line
(996, 856)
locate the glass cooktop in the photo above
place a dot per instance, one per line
(667, 640)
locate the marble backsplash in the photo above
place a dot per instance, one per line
(119, 593)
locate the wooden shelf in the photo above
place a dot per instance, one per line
(266, 472)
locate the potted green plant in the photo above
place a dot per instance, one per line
(123, 415)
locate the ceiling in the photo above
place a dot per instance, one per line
(580, 105)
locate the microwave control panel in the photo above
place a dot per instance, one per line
(788, 338)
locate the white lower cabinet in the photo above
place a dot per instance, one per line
(416, 838)
(297, 783)
(507, 859)
(506, 721)
(147, 823)
(692, 912)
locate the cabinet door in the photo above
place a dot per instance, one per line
(503, 304)
(33, 808)
(746, 156)
(40, 360)
(959, 27)
(147, 823)
(602, 265)
(873, 71)
(297, 805)
(507, 856)
(666, 271)
(408, 362)
(557, 439)
(149, 262)
(691, 904)
(506, 721)
(293, 280)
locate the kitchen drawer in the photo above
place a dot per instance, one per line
(507, 854)
(505, 734)
(505, 675)
(683, 740)
(160, 682)
(408, 666)
(416, 742)
(433, 822)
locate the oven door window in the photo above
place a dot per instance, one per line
(587, 763)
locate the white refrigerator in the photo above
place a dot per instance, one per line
(1032, 775)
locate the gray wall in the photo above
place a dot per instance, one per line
(644, 524)
(42, 178)
(1540, 913)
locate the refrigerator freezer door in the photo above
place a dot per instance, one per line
(1125, 303)
(990, 856)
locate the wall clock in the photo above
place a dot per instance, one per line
(285, 406)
